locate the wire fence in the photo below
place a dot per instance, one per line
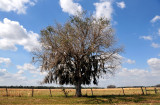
(10, 92)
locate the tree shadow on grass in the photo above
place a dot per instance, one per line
(109, 99)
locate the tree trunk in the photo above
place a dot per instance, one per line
(78, 89)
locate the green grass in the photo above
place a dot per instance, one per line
(101, 96)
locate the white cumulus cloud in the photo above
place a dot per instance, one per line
(126, 60)
(129, 61)
(18, 6)
(155, 45)
(12, 34)
(6, 61)
(154, 64)
(146, 37)
(133, 77)
(31, 68)
(121, 4)
(156, 18)
(132, 72)
(70, 7)
(103, 9)
(19, 78)
(8, 79)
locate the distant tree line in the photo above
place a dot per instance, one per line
(46, 87)
(35, 87)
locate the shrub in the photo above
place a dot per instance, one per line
(158, 85)
(111, 86)
(65, 92)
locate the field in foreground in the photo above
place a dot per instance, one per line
(100, 96)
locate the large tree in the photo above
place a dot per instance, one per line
(78, 52)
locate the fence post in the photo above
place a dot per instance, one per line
(92, 91)
(146, 90)
(32, 91)
(155, 90)
(50, 92)
(86, 92)
(6, 92)
(123, 91)
(142, 91)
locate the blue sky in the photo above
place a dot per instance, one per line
(136, 24)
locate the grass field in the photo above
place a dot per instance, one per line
(100, 96)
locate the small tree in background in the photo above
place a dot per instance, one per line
(111, 86)
(158, 85)
(78, 52)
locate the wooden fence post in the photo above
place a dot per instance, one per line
(86, 92)
(6, 92)
(92, 91)
(123, 91)
(50, 92)
(142, 91)
(146, 90)
(32, 92)
(155, 90)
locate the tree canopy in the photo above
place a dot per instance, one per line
(78, 52)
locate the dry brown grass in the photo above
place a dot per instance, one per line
(58, 92)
